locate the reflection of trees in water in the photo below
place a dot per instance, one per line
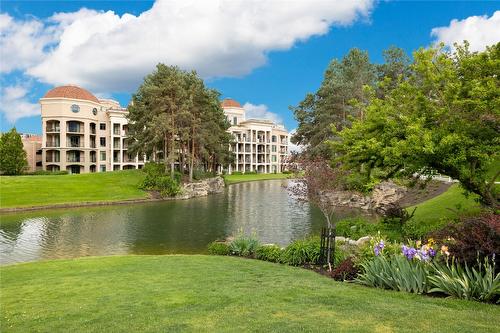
(185, 226)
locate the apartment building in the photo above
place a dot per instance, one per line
(82, 133)
(260, 145)
(32, 145)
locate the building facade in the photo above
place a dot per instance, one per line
(260, 145)
(82, 133)
(32, 145)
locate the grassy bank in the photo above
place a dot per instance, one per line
(23, 191)
(233, 179)
(214, 294)
(436, 212)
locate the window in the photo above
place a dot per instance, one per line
(103, 156)
(273, 158)
(274, 148)
(103, 142)
(103, 168)
(274, 138)
(235, 120)
(102, 126)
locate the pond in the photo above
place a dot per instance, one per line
(262, 208)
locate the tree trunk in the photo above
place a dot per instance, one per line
(191, 162)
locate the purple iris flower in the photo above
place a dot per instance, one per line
(376, 250)
(432, 252)
(381, 244)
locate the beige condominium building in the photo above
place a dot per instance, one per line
(260, 145)
(32, 145)
(82, 133)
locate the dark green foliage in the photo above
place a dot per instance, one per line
(46, 173)
(270, 253)
(219, 248)
(199, 174)
(302, 252)
(12, 155)
(157, 180)
(356, 228)
(244, 246)
(237, 173)
(335, 103)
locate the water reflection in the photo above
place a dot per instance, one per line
(262, 208)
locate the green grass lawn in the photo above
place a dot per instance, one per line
(436, 212)
(215, 294)
(233, 179)
(22, 191)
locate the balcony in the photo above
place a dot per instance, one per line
(116, 131)
(52, 129)
(74, 144)
(116, 146)
(116, 160)
(52, 144)
(52, 159)
(75, 159)
(128, 160)
(92, 145)
(74, 129)
(93, 159)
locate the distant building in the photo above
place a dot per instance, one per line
(82, 133)
(32, 144)
(260, 144)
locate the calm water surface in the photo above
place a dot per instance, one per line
(263, 208)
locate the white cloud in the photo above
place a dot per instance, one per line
(22, 43)
(292, 146)
(105, 52)
(260, 111)
(14, 103)
(479, 31)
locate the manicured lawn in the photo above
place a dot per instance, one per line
(215, 294)
(21, 191)
(232, 179)
(439, 210)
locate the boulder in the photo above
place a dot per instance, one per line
(202, 188)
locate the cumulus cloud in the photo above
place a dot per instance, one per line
(479, 31)
(260, 111)
(22, 43)
(14, 103)
(106, 52)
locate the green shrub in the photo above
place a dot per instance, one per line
(219, 248)
(480, 284)
(157, 180)
(366, 251)
(396, 273)
(200, 174)
(46, 173)
(286, 172)
(244, 246)
(237, 173)
(356, 228)
(301, 252)
(270, 253)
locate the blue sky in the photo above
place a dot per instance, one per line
(274, 69)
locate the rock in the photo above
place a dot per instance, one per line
(202, 188)
(363, 240)
(383, 195)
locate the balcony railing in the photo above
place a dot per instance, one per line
(93, 159)
(52, 159)
(92, 145)
(116, 146)
(116, 131)
(72, 129)
(75, 159)
(53, 129)
(128, 160)
(74, 144)
(92, 131)
(116, 160)
(52, 144)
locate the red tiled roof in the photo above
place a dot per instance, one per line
(230, 103)
(70, 91)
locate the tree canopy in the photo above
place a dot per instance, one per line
(443, 117)
(342, 95)
(176, 119)
(12, 155)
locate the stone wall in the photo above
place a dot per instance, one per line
(383, 195)
(202, 188)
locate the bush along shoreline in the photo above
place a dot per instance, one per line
(436, 267)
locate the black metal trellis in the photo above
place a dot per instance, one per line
(327, 242)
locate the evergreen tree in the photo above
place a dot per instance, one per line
(12, 155)
(335, 103)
